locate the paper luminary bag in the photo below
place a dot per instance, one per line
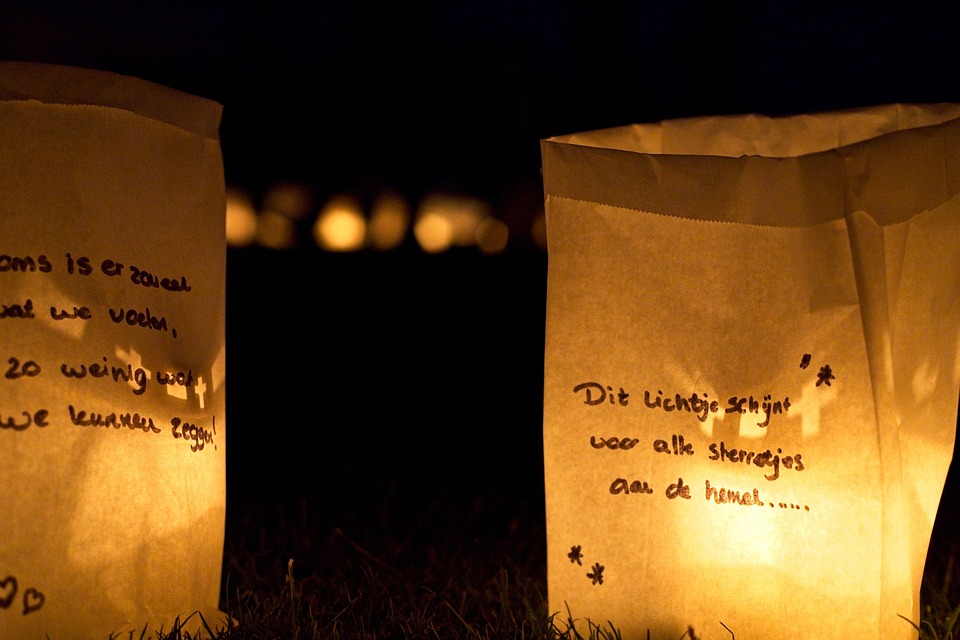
(112, 442)
(751, 370)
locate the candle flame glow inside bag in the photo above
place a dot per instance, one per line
(112, 426)
(751, 370)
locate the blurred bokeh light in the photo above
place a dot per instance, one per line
(445, 220)
(275, 230)
(241, 218)
(538, 230)
(389, 222)
(492, 236)
(433, 231)
(290, 199)
(340, 225)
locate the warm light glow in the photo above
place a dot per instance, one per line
(751, 537)
(340, 225)
(275, 231)
(462, 213)
(492, 236)
(241, 218)
(388, 222)
(434, 232)
(290, 199)
(814, 481)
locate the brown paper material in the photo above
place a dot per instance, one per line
(112, 426)
(751, 371)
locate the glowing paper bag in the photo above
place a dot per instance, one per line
(751, 371)
(112, 264)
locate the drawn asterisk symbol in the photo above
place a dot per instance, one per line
(575, 554)
(596, 576)
(825, 375)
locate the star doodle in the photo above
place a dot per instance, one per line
(596, 576)
(575, 555)
(825, 375)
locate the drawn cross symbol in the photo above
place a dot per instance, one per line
(575, 554)
(825, 375)
(596, 576)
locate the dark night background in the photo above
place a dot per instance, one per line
(413, 374)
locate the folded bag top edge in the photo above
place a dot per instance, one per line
(62, 84)
(898, 160)
(754, 134)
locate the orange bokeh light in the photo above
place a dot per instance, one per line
(340, 225)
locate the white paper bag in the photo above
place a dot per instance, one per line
(112, 426)
(751, 371)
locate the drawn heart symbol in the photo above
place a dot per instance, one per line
(32, 600)
(8, 590)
